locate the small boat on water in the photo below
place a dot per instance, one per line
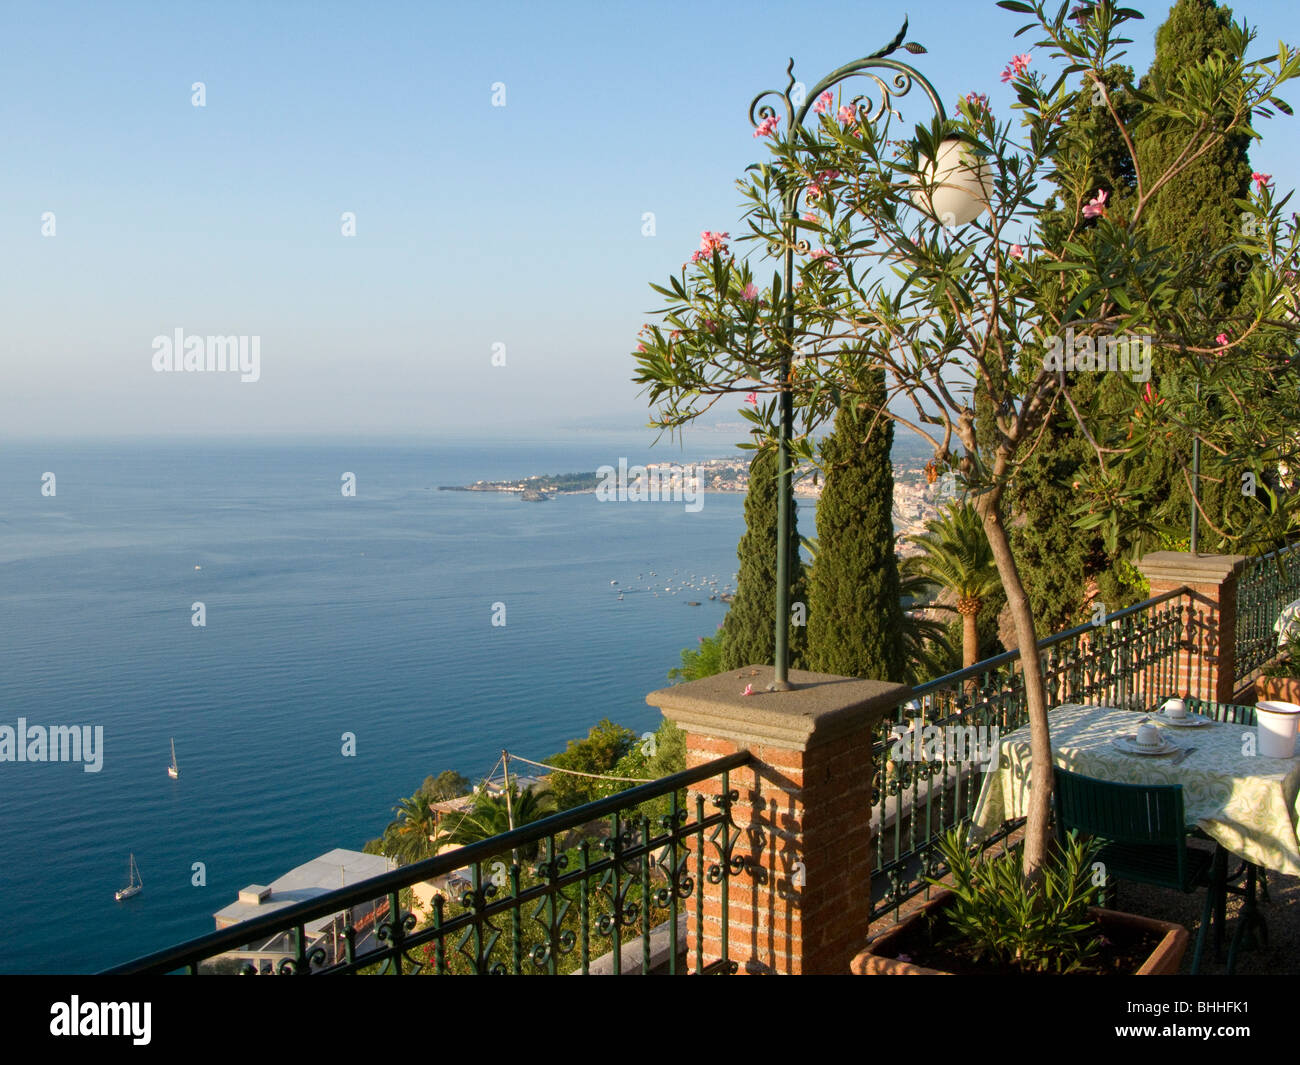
(135, 884)
(173, 770)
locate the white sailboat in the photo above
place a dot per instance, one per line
(134, 886)
(173, 770)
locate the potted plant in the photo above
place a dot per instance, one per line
(1279, 681)
(988, 920)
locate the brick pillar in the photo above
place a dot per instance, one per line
(1209, 670)
(802, 902)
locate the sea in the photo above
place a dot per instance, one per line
(325, 616)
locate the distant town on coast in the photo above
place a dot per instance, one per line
(916, 499)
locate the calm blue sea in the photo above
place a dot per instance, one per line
(325, 615)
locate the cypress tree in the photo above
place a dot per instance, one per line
(749, 629)
(1193, 211)
(855, 613)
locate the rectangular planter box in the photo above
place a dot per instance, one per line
(880, 957)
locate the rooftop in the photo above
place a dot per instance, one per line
(339, 868)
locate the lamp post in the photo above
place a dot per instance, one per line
(1193, 542)
(892, 78)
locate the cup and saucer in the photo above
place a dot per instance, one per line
(1148, 740)
(1174, 713)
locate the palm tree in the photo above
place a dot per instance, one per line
(490, 816)
(926, 650)
(956, 556)
(410, 838)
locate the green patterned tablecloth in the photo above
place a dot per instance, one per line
(1245, 802)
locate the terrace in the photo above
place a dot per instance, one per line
(756, 857)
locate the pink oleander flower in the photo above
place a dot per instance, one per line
(817, 186)
(1018, 65)
(709, 243)
(975, 103)
(810, 216)
(824, 103)
(821, 255)
(641, 348)
(1222, 340)
(1096, 207)
(848, 114)
(751, 292)
(1261, 179)
(676, 334)
(709, 324)
(752, 398)
(765, 128)
(749, 690)
(1017, 252)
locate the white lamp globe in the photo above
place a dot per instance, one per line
(961, 184)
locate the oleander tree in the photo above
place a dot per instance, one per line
(972, 317)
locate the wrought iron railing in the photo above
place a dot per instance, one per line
(1130, 659)
(1264, 586)
(550, 897)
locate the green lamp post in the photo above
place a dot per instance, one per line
(892, 79)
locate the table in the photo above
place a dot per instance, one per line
(1248, 804)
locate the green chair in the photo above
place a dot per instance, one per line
(1145, 836)
(1232, 713)
(1251, 920)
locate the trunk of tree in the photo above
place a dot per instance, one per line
(1037, 836)
(970, 640)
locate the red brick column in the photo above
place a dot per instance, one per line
(802, 902)
(1208, 670)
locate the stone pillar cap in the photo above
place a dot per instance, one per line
(1183, 567)
(819, 707)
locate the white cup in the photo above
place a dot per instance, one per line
(1175, 709)
(1148, 736)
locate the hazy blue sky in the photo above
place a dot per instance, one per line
(475, 224)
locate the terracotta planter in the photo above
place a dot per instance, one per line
(1277, 689)
(880, 958)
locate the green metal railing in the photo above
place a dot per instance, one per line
(550, 897)
(1264, 586)
(1130, 659)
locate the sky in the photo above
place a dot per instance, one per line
(498, 161)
